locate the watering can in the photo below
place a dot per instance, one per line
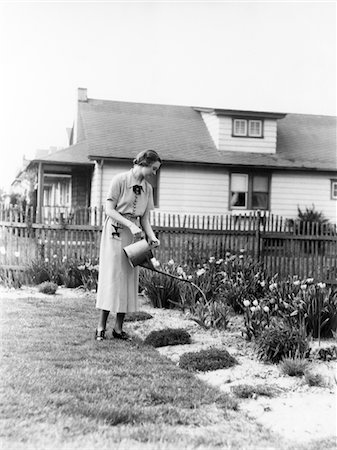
(139, 253)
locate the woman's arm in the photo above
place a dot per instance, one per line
(111, 212)
(151, 237)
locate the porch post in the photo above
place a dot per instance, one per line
(101, 164)
(39, 193)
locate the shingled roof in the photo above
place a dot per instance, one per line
(120, 130)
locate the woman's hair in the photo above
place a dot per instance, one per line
(147, 158)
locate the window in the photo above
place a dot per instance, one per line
(334, 189)
(247, 128)
(154, 181)
(57, 190)
(249, 191)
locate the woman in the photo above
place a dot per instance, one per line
(129, 201)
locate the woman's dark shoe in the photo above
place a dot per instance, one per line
(100, 335)
(121, 335)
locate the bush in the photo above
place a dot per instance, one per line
(279, 340)
(48, 287)
(314, 378)
(204, 360)
(249, 391)
(294, 367)
(168, 336)
(137, 316)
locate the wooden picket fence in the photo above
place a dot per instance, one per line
(283, 246)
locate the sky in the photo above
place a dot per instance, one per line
(263, 56)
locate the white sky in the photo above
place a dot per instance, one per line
(265, 56)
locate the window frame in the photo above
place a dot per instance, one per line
(250, 192)
(248, 122)
(332, 189)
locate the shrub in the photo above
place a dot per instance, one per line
(137, 316)
(48, 287)
(204, 360)
(314, 378)
(249, 391)
(279, 340)
(294, 367)
(168, 336)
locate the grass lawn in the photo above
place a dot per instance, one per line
(61, 389)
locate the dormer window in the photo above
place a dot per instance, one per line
(247, 128)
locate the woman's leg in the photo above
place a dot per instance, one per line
(119, 322)
(103, 317)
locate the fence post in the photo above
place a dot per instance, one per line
(258, 236)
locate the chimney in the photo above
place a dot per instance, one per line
(82, 95)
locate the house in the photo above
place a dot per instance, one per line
(216, 161)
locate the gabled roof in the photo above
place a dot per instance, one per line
(120, 130)
(75, 154)
(123, 129)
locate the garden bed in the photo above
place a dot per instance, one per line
(299, 412)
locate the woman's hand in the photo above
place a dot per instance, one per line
(136, 231)
(154, 242)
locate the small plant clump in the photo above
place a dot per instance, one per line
(294, 367)
(168, 336)
(279, 341)
(137, 316)
(48, 287)
(204, 360)
(314, 378)
(249, 391)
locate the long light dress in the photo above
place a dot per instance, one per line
(118, 281)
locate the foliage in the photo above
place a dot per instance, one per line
(68, 272)
(327, 353)
(279, 340)
(168, 336)
(204, 360)
(249, 391)
(311, 215)
(9, 278)
(48, 287)
(161, 290)
(137, 316)
(297, 302)
(314, 378)
(243, 280)
(294, 367)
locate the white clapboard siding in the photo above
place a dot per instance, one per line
(193, 190)
(289, 190)
(227, 142)
(185, 189)
(99, 187)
